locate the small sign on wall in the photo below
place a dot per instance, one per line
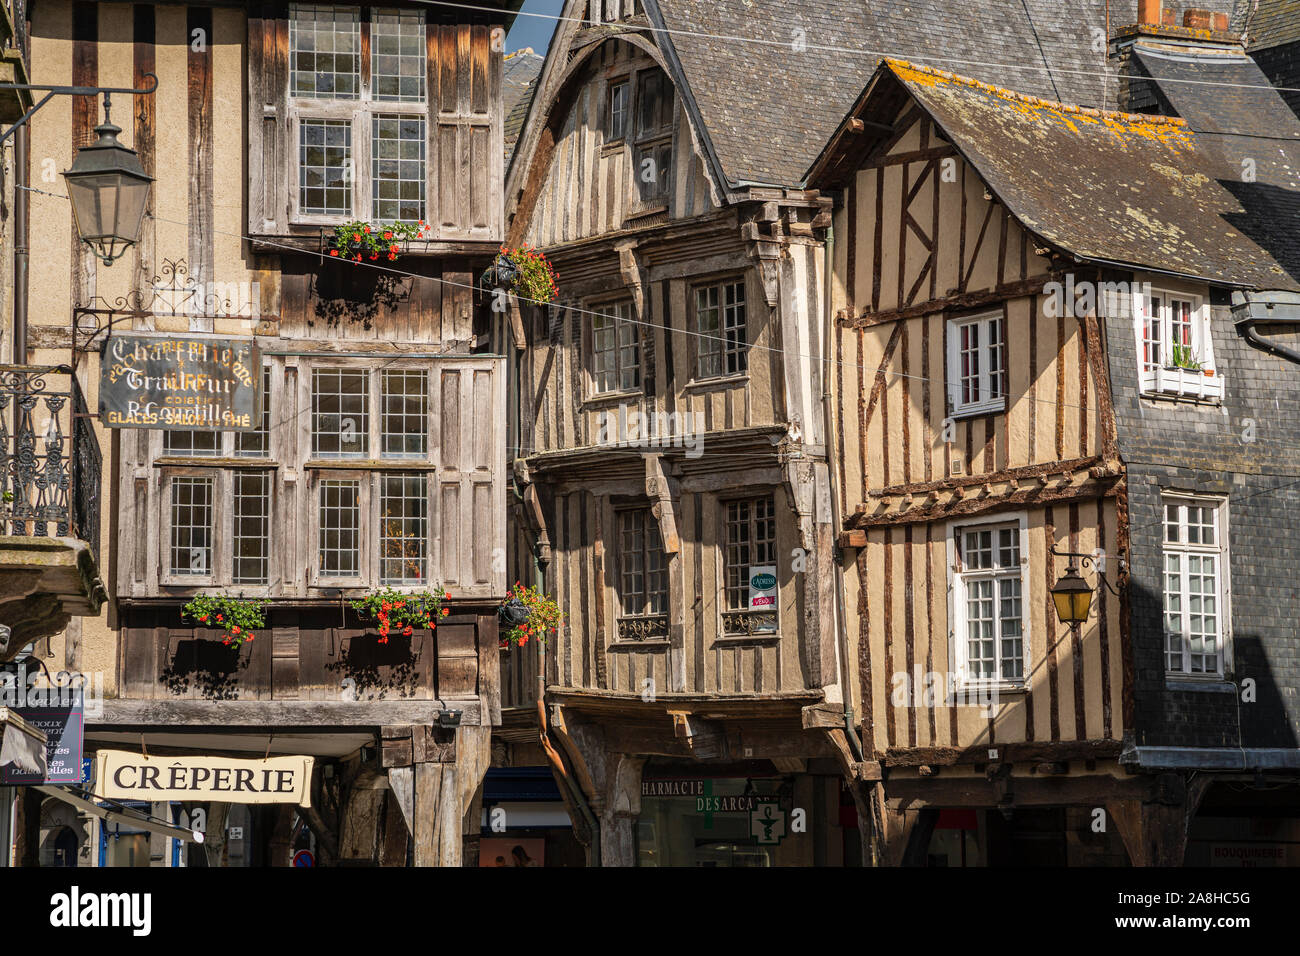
(182, 382)
(762, 593)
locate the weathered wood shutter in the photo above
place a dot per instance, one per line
(268, 122)
(466, 150)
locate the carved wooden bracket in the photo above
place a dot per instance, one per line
(662, 492)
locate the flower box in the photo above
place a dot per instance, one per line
(1183, 383)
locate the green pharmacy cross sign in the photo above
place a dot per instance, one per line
(767, 821)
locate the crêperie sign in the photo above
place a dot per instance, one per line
(186, 382)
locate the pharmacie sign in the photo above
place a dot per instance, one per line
(185, 382)
(128, 776)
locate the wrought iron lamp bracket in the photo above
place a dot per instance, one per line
(1087, 561)
(53, 91)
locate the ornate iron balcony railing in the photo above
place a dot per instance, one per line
(50, 463)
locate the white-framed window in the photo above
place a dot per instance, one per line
(977, 366)
(722, 329)
(619, 94)
(1175, 350)
(1195, 585)
(990, 617)
(359, 123)
(615, 349)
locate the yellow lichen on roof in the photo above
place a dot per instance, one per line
(1167, 130)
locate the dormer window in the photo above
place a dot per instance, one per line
(1175, 349)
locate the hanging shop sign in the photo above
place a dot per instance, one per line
(63, 726)
(128, 776)
(762, 595)
(184, 382)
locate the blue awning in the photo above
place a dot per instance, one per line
(519, 783)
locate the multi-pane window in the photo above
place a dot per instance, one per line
(618, 110)
(397, 176)
(404, 413)
(989, 602)
(977, 364)
(191, 521)
(369, 125)
(653, 165)
(397, 48)
(643, 567)
(339, 521)
(655, 98)
(751, 543)
(403, 529)
(340, 412)
(251, 532)
(192, 444)
(615, 349)
(257, 443)
(722, 334)
(324, 167)
(325, 51)
(1193, 559)
(653, 157)
(1169, 332)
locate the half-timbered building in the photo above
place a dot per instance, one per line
(999, 261)
(376, 460)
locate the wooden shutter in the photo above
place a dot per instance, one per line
(268, 133)
(466, 150)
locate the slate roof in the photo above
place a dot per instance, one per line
(1111, 187)
(1268, 23)
(518, 84)
(769, 108)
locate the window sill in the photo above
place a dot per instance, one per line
(980, 409)
(366, 464)
(734, 640)
(717, 381)
(1210, 683)
(1176, 383)
(650, 643)
(602, 399)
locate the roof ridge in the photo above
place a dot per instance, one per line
(1145, 119)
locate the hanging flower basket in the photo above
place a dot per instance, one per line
(237, 617)
(524, 273)
(403, 610)
(527, 614)
(359, 241)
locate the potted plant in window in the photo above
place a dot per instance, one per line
(359, 241)
(404, 610)
(237, 617)
(527, 614)
(1184, 358)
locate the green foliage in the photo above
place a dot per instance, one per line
(531, 276)
(359, 240)
(402, 609)
(1185, 358)
(544, 617)
(236, 616)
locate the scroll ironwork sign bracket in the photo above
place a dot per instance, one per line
(1088, 561)
(53, 91)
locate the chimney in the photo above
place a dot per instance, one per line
(1196, 19)
(1221, 22)
(1149, 11)
(1169, 17)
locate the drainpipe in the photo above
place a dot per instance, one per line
(841, 620)
(22, 208)
(1267, 308)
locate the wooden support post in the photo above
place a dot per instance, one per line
(907, 836)
(622, 807)
(1154, 830)
(435, 775)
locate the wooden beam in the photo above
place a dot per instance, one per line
(963, 300)
(296, 716)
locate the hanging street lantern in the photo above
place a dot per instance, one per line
(1072, 596)
(109, 191)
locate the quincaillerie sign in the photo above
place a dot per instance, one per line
(183, 382)
(128, 776)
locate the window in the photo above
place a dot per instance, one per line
(1194, 592)
(404, 416)
(643, 570)
(192, 444)
(1175, 348)
(655, 97)
(751, 543)
(653, 157)
(976, 365)
(653, 165)
(722, 342)
(191, 526)
(325, 51)
(324, 167)
(340, 417)
(257, 444)
(989, 614)
(404, 529)
(618, 97)
(615, 349)
(339, 521)
(374, 132)
(251, 536)
(397, 179)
